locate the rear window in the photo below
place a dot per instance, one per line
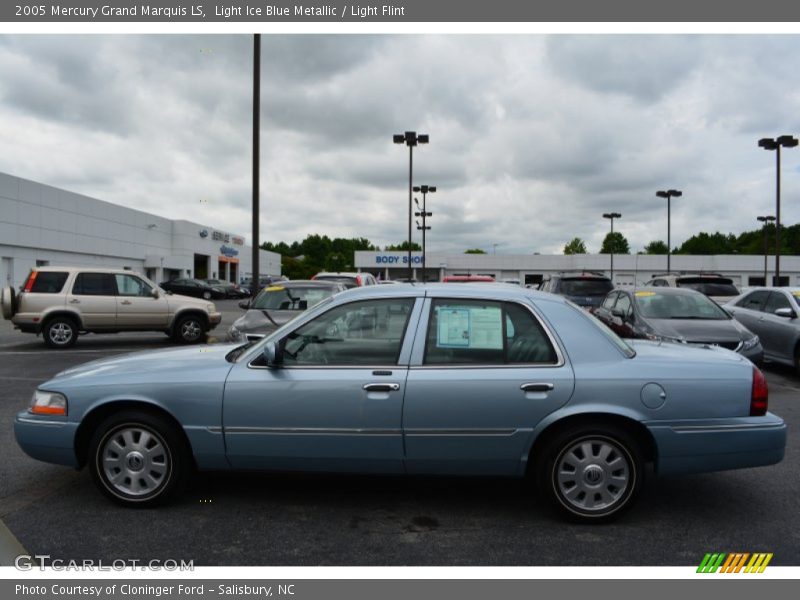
(586, 287)
(48, 282)
(716, 287)
(348, 282)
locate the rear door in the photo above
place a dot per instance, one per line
(749, 311)
(94, 295)
(483, 374)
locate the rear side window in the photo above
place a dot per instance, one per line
(48, 282)
(477, 332)
(94, 284)
(754, 301)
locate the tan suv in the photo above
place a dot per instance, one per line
(62, 302)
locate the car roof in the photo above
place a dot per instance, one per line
(658, 289)
(445, 290)
(306, 283)
(85, 270)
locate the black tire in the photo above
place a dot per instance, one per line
(139, 459)
(591, 473)
(190, 329)
(60, 333)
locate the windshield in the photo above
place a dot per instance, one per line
(279, 297)
(653, 305)
(585, 287)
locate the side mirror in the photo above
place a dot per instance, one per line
(154, 293)
(786, 313)
(244, 304)
(273, 354)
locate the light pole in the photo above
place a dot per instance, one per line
(410, 139)
(612, 216)
(786, 141)
(425, 189)
(669, 194)
(765, 219)
(256, 154)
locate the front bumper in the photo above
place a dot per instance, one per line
(46, 439)
(699, 446)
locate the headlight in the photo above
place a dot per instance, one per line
(211, 308)
(48, 403)
(751, 343)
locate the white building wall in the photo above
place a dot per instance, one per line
(42, 223)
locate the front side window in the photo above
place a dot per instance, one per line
(624, 304)
(94, 284)
(357, 334)
(776, 300)
(479, 332)
(609, 301)
(129, 285)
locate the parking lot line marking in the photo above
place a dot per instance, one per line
(106, 350)
(10, 547)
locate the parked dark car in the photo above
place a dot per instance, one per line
(772, 314)
(715, 286)
(232, 290)
(586, 289)
(194, 287)
(676, 315)
(278, 304)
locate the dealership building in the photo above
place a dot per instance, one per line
(41, 225)
(530, 269)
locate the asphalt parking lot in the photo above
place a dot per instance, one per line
(261, 519)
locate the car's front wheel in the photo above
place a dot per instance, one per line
(206, 295)
(591, 473)
(60, 333)
(139, 459)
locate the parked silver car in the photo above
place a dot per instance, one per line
(772, 314)
(276, 305)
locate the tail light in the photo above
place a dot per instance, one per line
(759, 395)
(358, 280)
(31, 278)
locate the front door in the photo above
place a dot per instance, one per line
(487, 375)
(136, 305)
(335, 404)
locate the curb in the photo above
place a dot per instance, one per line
(10, 547)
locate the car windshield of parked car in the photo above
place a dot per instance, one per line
(721, 287)
(585, 287)
(279, 297)
(653, 305)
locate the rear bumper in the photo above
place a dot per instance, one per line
(214, 319)
(47, 440)
(718, 444)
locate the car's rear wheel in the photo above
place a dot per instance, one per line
(591, 473)
(190, 330)
(60, 333)
(8, 302)
(139, 459)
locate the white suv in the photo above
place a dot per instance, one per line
(62, 302)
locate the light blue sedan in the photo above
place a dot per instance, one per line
(434, 379)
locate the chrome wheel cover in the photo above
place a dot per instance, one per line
(191, 330)
(135, 461)
(592, 475)
(60, 333)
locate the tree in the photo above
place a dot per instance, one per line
(474, 251)
(709, 243)
(575, 246)
(656, 247)
(404, 247)
(615, 243)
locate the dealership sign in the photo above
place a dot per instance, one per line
(228, 251)
(397, 259)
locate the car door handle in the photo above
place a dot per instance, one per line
(381, 387)
(536, 387)
(126, 302)
(74, 301)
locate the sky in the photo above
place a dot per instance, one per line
(532, 137)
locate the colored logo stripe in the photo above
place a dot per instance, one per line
(734, 562)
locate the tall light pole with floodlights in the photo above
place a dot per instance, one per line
(423, 212)
(784, 141)
(612, 216)
(410, 139)
(669, 194)
(765, 219)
